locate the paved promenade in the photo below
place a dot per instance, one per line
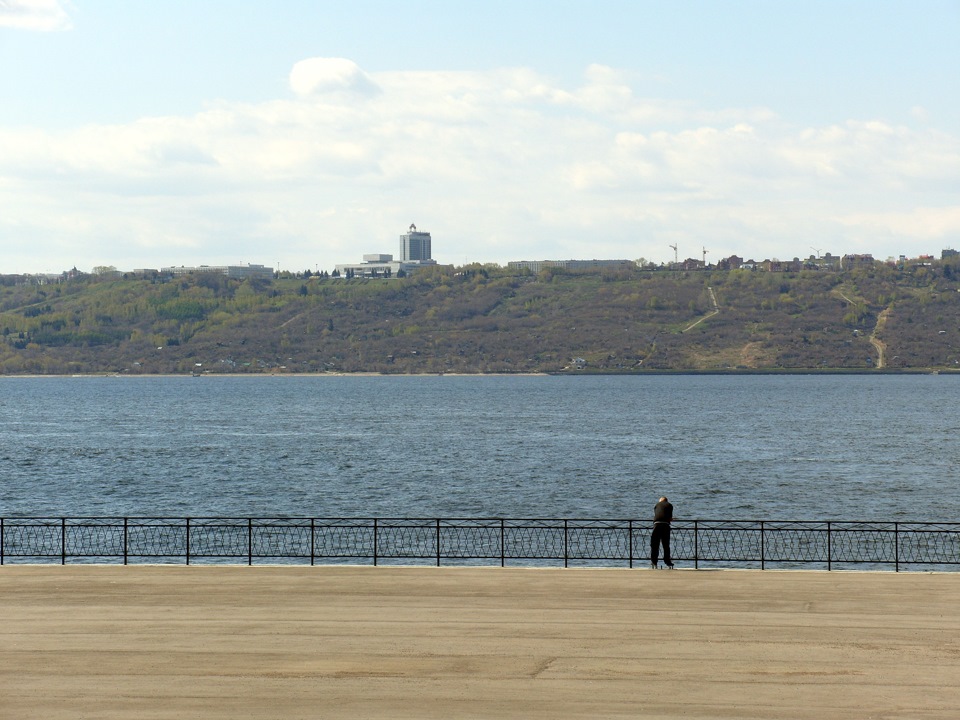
(333, 642)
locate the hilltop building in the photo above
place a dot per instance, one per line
(734, 262)
(239, 272)
(415, 246)
(415, 253)
(849, 262)
(824, 262)
(373, 265)
(536, 266)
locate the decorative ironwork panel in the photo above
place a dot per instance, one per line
(862, 543)
(343, 539)
(533, 540)
(407, 539)
(932, 543)
(793, 542)
(280, 539)
(32, 537)
(223, 539)
(465, 540)
(94, 538)
(598, 540)
(683, 543)
(733, 542)
(157, 537)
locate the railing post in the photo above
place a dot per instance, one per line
(696, 544)
(188, 541)
(313, 536)
(763, 548)
(2, 545)
(829, 548)
(438, 542)
(503, 544)
(896, 546)
(566, 552)
(630, 541)
(375, 542)
(63, 541)
(126, 534)
(249, 542)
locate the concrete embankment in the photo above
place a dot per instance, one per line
(351, 642)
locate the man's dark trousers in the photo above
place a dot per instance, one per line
(660, 536)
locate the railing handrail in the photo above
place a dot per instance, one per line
(492, 519)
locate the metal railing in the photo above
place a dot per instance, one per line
(571, 542)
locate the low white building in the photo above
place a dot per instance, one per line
(535, 266)
(239, 272)
(380, 265)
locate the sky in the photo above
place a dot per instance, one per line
(305, 133)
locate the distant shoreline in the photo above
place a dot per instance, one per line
(578, 373)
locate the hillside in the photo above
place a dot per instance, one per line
(483, 320)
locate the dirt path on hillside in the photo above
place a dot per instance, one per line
(295, 317)
(715, 311)
(877, 342)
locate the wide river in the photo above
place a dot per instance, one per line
(795, 447)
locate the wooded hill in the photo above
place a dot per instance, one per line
(480, 319)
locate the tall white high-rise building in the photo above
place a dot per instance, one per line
(415, 246)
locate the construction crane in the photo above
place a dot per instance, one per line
(675, 260)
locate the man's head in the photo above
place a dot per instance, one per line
(663, 499)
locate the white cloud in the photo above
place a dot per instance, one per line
(316, 76)
(931, 223)
(500, 165)
(39, 15)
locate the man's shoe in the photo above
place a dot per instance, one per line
(653, 566)
(669, 565)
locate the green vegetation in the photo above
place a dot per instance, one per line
(480, 319)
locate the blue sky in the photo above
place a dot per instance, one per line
(303, 134)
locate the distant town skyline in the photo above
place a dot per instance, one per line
(380, 261)
(302, 135)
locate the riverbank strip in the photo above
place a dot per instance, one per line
(213, 642)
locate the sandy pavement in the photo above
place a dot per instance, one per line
(388, 642)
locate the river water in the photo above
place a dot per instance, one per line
(797, 447)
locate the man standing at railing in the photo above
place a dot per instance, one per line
(662, 517)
